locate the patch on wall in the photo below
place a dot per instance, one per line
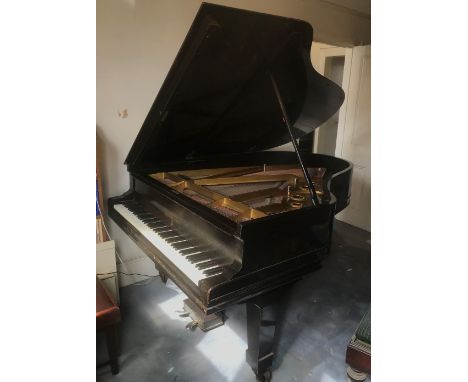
(123, 113)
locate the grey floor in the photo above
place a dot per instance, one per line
(323, 311)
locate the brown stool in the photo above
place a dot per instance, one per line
(107, 318)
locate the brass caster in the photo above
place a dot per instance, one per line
(265, 377)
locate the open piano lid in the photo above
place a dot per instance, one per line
(218, 98)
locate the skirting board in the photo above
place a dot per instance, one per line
(142, 265)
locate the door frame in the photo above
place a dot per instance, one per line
(356, 214)
(323, 55)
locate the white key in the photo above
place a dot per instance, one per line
(179, 260)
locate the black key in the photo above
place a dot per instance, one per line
(181, 230)
(198, 257)
(193, 250)
(159, 228)
(189, 242)
(215, 256)
(186, 244)
(157, 224)
(207, 264)
(138, 212)
(178, 239)
(147, 216)
(162, 229)
(151, 219)
(168, 234)
(144, 215)
(213, 271)
(192, 253)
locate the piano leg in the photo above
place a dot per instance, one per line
(264, 317)
(113, 348)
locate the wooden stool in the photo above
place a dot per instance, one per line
(107, 318)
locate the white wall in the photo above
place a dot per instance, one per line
(137, 41)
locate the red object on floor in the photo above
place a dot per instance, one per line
(107, 319)
(358, 358)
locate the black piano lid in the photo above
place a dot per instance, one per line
(218, 97)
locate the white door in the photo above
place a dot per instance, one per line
(353, 140)
(335, 64)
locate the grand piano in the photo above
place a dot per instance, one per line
(220, 213)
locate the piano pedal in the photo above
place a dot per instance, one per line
(201, 320)
(163, 277)
(191, 326)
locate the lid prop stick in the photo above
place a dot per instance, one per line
(310, 185)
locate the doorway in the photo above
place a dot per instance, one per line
(326, 144)
(347, 134)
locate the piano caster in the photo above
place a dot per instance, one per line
(265, 377)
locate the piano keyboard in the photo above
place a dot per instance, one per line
(196, 260)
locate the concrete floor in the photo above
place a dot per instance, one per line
(322, 314)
